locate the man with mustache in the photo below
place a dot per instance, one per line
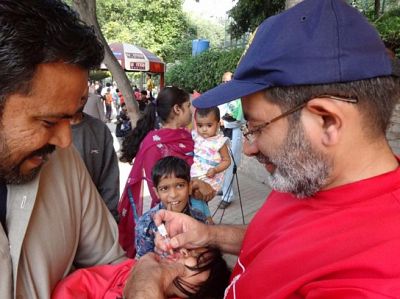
(317, 90)
(52, 218)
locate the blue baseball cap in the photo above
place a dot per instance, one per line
(315, 42)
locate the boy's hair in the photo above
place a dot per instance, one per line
(169, 166)
(206, 111)
(218, 279)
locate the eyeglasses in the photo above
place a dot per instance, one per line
(251, 134)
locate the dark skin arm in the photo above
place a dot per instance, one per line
(202, 190)
(223, 165)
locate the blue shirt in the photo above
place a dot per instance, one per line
(145, 228)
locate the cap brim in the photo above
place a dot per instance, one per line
(227, 92)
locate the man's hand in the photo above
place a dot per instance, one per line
(202, 190)
(184, 231)
(151, 277)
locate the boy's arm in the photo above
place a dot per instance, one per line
(223, 165)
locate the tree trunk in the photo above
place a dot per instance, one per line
(87, 12)
(377, 8)
(290, 3)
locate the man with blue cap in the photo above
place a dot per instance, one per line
(317, 90)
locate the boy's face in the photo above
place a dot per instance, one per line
(173, 192)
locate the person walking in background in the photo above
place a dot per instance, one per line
(121, 97)
(149, 86)
(95, 106)
(94, 142)
(103, 89)
(143, 100)
(116, 100)
(232, 116)
(147, 144)
(108, 103)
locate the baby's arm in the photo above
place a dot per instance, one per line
(223, 165)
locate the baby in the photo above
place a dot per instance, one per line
(211, 155)
(171, 179)
(207, 276)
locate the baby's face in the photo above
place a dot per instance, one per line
(173, 192)
(191, 277)
(207, 126)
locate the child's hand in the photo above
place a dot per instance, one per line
(211, 172)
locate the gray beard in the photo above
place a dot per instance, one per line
(300, 169)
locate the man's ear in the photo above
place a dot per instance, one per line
(328, 116)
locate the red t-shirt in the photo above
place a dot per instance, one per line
(341, 243)
(104, 281)
(121, 98)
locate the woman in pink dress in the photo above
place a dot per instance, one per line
(159, 133)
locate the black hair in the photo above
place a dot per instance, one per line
(206, 111)
(166, 100)
(376, 99)
(34, 32)
(216, 283)
(169, 166)
(143, 92)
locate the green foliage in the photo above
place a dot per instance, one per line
(389, 27)
(98, 75)
(157, 25)
(386, 21)
(212, 30)
(203, 71)
(248, 14)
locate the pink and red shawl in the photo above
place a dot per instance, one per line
(156, 145)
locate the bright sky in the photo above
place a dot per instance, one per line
(209, 8)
